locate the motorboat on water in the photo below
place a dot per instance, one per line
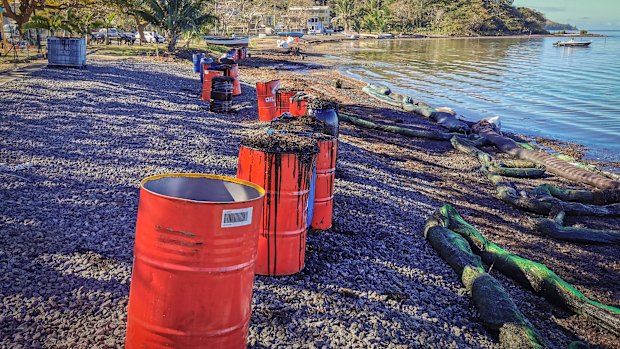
(227, 40)
(572, 43)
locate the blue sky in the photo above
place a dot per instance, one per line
(585, 14)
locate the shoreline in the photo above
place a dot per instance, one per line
(319, 54)
(578, 151)
(457, 176)
(322, 39)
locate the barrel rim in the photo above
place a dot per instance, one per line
(261, 190)
(279, 152)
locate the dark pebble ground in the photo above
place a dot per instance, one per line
(74, 145)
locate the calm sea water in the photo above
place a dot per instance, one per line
(570, 94)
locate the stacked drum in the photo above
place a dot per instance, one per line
(222, 94)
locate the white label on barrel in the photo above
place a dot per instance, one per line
(236, 218)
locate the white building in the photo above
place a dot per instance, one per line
(313, 19)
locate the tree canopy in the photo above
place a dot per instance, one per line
(191, 17)
(448, 17)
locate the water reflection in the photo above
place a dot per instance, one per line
(566, 93)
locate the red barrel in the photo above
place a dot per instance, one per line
(298, 104)
(283, 101)
(232, 70)
(286, 178)
(324, 187)
(266, 94)
(194, 261)
(206, 82)
(234, 73)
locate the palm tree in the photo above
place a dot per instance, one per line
(376, 17)
(81, 23)
(176, 17)
(53, 22)
(345, 12)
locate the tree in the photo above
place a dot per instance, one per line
(345, 12)
(53, 22)
(410, 14)
(376, 17)
(251, 13)
(23, 11)
(175, 17)
(130, 8)
(533, 20)
(81, 21)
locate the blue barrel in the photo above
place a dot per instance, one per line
(311, 195)
(196, 58)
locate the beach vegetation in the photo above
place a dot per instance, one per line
(176, 17)
(345, 11)
(445, 17)
(551, 25)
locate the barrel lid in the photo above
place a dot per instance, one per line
(287, 90)
(321, 104)
(202, 188)
(299, 96)
(280, 143)
(300, 124)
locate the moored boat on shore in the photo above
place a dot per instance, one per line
(227, 41)
(291, 34)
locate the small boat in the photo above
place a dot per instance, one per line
(572, 43)
(292, 34)
(227, 41)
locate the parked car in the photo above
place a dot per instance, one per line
(127, 37)
(153, 37)
(111, 33)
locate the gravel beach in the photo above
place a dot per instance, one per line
(74, 145)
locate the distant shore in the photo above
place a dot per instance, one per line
(339, 37)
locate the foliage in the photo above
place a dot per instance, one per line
(345, 13)
(175, 17)
(551, 25)
(192, 17)
(376, 17)
(24, 10)
(448, 17)
(53, 22)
